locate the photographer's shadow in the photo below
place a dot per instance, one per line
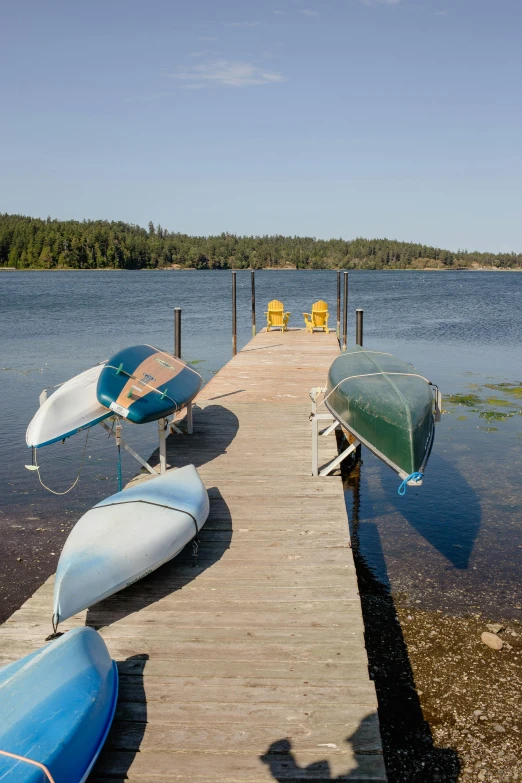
(366, 764)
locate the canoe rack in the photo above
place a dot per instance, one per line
(164, 426)
(333, 425)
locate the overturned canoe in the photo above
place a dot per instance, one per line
(127, 536)
(56, 708)
(73, 407)
(386, 405)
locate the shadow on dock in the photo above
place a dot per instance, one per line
(283, 766)
(262, 347)
(215, 538)
(130, 720)
(409, 751)
(215, 427)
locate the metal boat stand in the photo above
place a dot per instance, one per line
(135, 453)
(334, 425)
(163, 426)
(190, 425)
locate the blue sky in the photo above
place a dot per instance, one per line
(397, 118)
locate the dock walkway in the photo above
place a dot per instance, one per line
(250, 667)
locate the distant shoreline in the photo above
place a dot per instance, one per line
(265, 269)
(32, 243)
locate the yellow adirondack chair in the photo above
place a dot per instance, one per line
(276, 317)
(318, 318)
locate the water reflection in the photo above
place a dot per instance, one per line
(445, 511)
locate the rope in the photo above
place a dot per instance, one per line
(30, 761)
(120, 480)
(416, 477)
(148, 503)
(195, 547)
(77, 477)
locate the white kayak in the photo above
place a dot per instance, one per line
(71, 408)
(127, 536)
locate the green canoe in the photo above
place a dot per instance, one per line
(386, 405)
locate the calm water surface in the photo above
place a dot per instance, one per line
(455, 544)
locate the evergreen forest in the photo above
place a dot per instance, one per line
(33, 243)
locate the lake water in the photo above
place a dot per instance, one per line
(455, 544)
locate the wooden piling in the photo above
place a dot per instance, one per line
(345, 310)
(253, 280)
(234, 315)
(339, 305)
(177, 332)
(359, 327)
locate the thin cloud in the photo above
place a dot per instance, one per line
(441, 13)
(381, 2)
(309, 12)
(206, 53)
(152, 97)
(207, 38)
(279, 13)
(242, 24)
(225, 73)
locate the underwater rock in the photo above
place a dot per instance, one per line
(492, 640)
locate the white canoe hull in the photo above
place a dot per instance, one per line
(127, 536)
(71, 408)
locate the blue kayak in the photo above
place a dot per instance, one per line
(56, 708)
(144, 384)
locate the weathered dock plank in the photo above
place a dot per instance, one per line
(250, 667)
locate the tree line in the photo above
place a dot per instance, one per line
(33, 243)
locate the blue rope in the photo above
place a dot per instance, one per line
(417, 476)
(120, 482)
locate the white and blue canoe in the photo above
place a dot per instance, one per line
(73, 407)
(127, 536)
(56, 709)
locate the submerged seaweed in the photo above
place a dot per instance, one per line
(508, 388)
(469, 400)
(475, 404)
(496, 415)
(497, 401)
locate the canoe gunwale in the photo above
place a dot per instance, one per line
(77, 430)
(402, 474)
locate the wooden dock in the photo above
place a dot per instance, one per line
(250, 667)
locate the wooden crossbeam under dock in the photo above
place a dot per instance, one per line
(250, 667)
